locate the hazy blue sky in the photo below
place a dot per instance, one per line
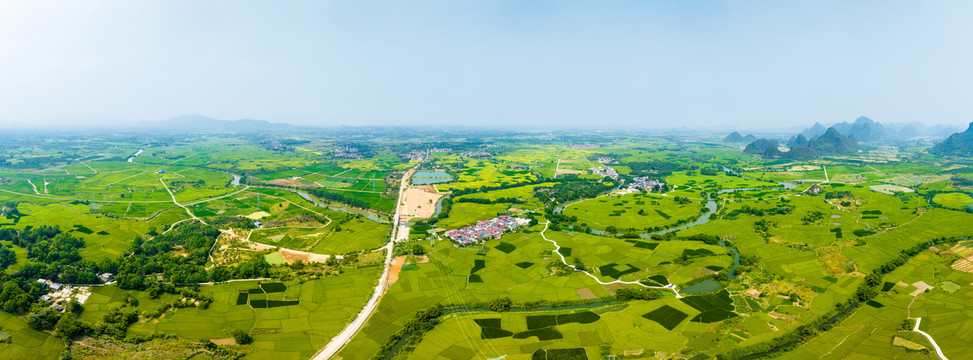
(595, 63)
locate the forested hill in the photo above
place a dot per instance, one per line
(960, 143)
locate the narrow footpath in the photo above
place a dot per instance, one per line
(557, 251)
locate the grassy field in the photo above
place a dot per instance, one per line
(801, 253)
(286, 332)
(953, 200)
(463, 214)
(104, 237)
(475, 173)
(633, 211)
(870, 330)
(630, 260)
(519, 192)
(27, 343)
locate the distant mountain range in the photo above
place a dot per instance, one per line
(960, 143)
(200, 122)
(868, 130)
(736, 137)
(830, 142)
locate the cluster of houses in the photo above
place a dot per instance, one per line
(584, 146)
(63, 293)
(607, 160)
(440, 150)
(413, 156)
(487, 229)
(644, 183)
(604, 171)
(476, 154)
(348, 152)
(275, 145)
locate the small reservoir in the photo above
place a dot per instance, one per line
(431, 177)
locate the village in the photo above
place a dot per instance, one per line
(486, 229)
(642, 183)
(476, 154)
(605, 171)
(65, 293)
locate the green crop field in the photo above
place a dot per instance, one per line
(27, 343)
(720, 260)
(633, 211)
(291, 332)
(953, 200)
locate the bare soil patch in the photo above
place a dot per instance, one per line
(291, 256)
(257, 215)
(921, 287)
(227, 341)
(396, 268)
(569, 171)
(419, 202)
(586, 293)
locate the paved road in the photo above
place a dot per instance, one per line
(349, 332)
(934, 344)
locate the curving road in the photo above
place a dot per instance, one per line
(349, 332)
(934, 344)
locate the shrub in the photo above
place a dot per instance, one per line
(242, 337)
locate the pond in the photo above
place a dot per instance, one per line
(430, 181)
(432, 174)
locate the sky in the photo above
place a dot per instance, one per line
(622, 64)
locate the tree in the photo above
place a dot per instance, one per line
(625, 294)
(70, 326)
(242, 337)
(75, 307)
(45, 319)
(578, 264)
(14, 299)
(7, 258)
(501, 304)
(418, 250)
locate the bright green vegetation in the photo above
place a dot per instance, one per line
(344, 233)
(295, 331)
(26, 343)
(953, 200)
(104, 236)
(463, 214)
(613, 259)
(518, 192)
(475, 173)
(352, 235)
(873, 326)
(766, 268)
(634, 211)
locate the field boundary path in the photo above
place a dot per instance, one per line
(934, 344)
(349, 332)
(89, 166)
(35, 186)
(180, 205)
(563, 260)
